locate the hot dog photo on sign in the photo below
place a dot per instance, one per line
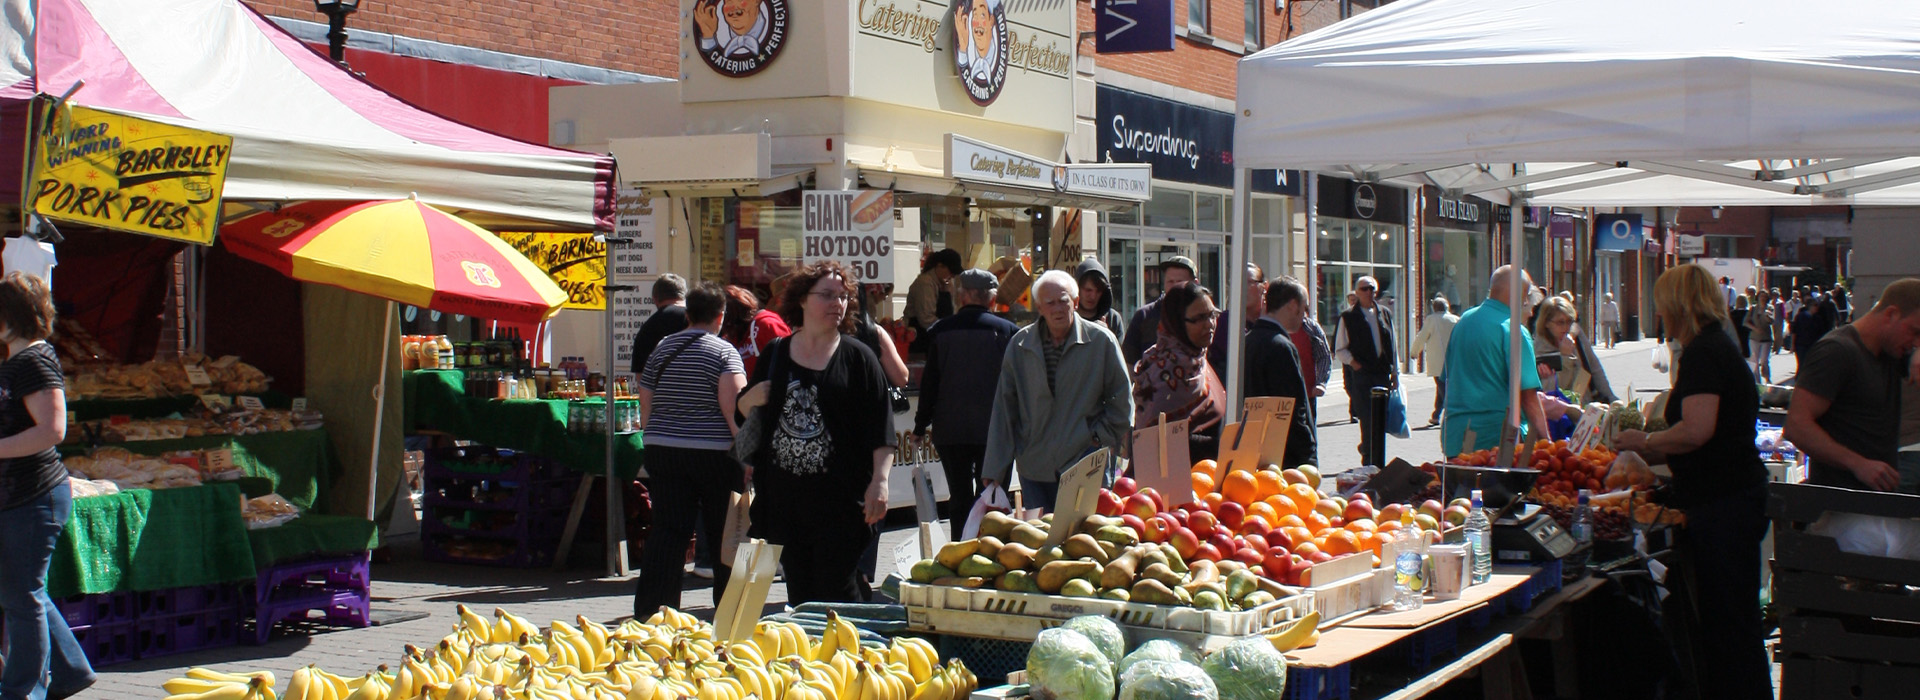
(872, 209)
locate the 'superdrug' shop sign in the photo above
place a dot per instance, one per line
(1184, 143)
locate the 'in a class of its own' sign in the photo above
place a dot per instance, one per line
(854, 227)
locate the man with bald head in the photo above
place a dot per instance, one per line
(1476, 372)
(1063, 392)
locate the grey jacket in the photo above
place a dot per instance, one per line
(1046, 433)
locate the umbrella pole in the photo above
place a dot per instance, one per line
(379, 412)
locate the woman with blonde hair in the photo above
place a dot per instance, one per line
(1718, 480)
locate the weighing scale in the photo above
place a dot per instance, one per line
(1530, 536)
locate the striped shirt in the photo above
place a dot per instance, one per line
(1052, 351)
(684, 376)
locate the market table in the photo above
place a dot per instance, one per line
(312, 536)
(437, 400)
(143, 540)
(158, 407)
(300, 464)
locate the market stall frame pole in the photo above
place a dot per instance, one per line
(1516, 246)
(379, 411)
(616, 521)
(1236, 283)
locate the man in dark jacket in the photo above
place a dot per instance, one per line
(669, 317)
(964, 354)
(1273, 364)
(1096, 297)
(1143, 329)
(1366, 346)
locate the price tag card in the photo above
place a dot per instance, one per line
(1161, 460)
(906, 554)
(197, 375)
(226, 361)
(252, 403)
(300, 404)
(219, 461)
(746, 595)
(215, 402)
(1079, 495)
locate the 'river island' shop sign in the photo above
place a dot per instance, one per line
(128, 174)
(737, 38)
(977, 161)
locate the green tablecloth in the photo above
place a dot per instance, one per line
(151, 540)
(300, 463)
(436, 400)
(98, 409)
(311, 536)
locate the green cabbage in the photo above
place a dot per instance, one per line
(1158, 650)
(1167, 680)
(1103, 633)
(1065, 665)
(1248, 669)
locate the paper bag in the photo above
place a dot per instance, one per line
(739, 521)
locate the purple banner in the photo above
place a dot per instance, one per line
(1560, 225)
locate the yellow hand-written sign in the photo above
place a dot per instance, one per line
(128, 174)
(575, 261)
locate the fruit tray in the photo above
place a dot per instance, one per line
(1360, 593)
(995, 614)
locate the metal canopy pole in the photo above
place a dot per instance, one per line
(1236, 281)
(1510, 433)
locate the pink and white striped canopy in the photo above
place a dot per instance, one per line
(303, 128)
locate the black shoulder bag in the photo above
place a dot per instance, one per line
(754, 431)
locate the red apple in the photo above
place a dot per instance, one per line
(1159, 502)
(1109, 503)
(1157, 528)
(1258, 544)
(1179, 516)
(1358, 509)
(1278, 565)
(1184, 542)
(1231, 514)
(1125, 486)
(1278, 539)
(1192, 507)
(1141, 506)
(1329, 507)
(1260, 571)
(1392, 512)
(1203, 521)
(1224, 544)
(1255, 525)
(1299, 567)
(1248, 557)
(1133, 521)
(1337, 521)
(1319, 557)
(1207, 552)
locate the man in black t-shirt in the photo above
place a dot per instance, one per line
(669, 317)
(1846, 400)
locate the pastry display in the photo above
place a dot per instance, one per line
(164, 377)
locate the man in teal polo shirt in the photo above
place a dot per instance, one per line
(1476, 372)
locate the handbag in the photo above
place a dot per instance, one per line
(754, 430)
(898, 398)
(1397, 415)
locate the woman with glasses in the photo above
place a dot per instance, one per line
(820, 471)
(1174, 378)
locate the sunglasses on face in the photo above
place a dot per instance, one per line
(1203, 318)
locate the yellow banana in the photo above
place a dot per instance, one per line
(193, 686)
(266, 677)
(1295, 635)
(476, 623)
(228, 691)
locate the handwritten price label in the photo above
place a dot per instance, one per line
(252, 403)
(197, 376)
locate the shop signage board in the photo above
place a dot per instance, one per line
(1617, 232)
(1182, 142)
(1132, 26)
(127, 174)
(635, 222)
(1009, 61)
(1693, 245)
(1560, 225)
(631, 309)
(1346, 199)
(738, 38)
(854, 227)
(1468, 213)
(978, 161)
(577, 262)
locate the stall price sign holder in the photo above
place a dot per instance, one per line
(1079, 495)
(927, 539)
(1162, 460)
(300, 404)
(251, 403)
(1261, 438)
(219, 461)
(197, 376)
(746, 595)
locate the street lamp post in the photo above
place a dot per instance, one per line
(336, 12)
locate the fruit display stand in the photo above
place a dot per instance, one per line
(1848, 622)
(1010, 616)
(494, 507)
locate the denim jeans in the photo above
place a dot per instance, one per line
(37, 636)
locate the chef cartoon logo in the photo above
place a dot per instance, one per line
(980, 48)
(738, 38)
(480, 274)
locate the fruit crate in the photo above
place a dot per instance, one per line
(1820, 678)
(106, 645)
(1360, 593)
(339, 588)
(1852, 638)
(1808, 568)
(481, 461)
(1006, 615)
(988, 658)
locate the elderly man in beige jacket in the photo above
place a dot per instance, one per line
(1434, 333)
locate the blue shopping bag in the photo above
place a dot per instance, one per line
(1397, 415)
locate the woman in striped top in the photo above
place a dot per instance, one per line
(687, 394)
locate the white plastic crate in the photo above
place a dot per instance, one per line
(996, 614)
(1355, 594)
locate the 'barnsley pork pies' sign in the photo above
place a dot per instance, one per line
(854, 227)
(128, 174)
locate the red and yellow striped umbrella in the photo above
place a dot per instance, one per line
(401, 250)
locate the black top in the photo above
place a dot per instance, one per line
(1728, 462)
(1865, 414)
(1370, 358)
(1808, 327)
(1143, 330)
(663, 323)
(32, 371)
(1273, 369)
(964, 355)
(825, 425)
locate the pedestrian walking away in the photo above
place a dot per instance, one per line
(965, 352)
(1431, 342)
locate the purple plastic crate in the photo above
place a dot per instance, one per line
(343, 573)
(1319, 683)
(298, 603)
(83, 610)
(161, 603)
(208, 630)
(552, 494)
(106, 645)
(154, 637)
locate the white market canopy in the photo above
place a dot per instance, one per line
(303, 128)
(1615, 103)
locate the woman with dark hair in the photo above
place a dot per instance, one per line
(820, 473)
(928, 298)
(750, 328)
(43, 659)
(1174, 378)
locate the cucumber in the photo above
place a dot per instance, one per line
(865, 611)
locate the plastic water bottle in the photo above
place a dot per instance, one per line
(1581, 527)
(1480, 538)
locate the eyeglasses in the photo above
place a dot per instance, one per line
(1363, 289)
(1204, 318)
(841, 297)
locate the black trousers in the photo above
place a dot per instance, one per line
(687, 485)
(821, 547)
(962, 464)
(1721, 543)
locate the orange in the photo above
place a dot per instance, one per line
(1305, 548)
(1368, 542)
(1208, 467)
(1269, 482)
(1213, 500)
(1298, 534)
(1320, 535)
(1388, 526)
(1361, 525)
(1342, 542)
(1316, 521)
(1202, 482)
(1292, 520)
(1281, 505)
(1240, 487)
(1303, 497)
(1264, 511)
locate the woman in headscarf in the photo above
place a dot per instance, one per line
(1173, 376)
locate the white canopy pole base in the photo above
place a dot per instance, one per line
(379, 412)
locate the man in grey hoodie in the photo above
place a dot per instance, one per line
(1063, 392)
(1096, 297)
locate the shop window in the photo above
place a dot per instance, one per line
(1331, 289)
(1332, 240)
(1126, 217)
(1212, 259)
(1386, 243)
(1252, 15)
(1359, 242)
(1123, 273)
(1170, 208)
(1197, 15)
(1210, 212)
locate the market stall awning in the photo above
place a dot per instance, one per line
(303, 128)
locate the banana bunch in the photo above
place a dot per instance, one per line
(206, 684)
(840, 635)
(312, 683)
(781, 639)
(675, 619)
(1303, 633)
